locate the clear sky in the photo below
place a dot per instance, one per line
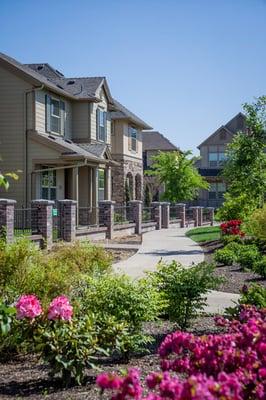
(184, 66)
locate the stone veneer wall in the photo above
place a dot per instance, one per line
(119, 174)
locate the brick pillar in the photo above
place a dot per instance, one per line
(157, 213)
(195, 215)
(200, 216)
(67, 219)
(182, 213)
(42, 219)
(106, 216)
(165, 215)
(136, 212)
(211, 211)
(7, 219)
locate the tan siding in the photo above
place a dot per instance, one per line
(12, 131)
(104, 106)
(80, 120)
(120, 140)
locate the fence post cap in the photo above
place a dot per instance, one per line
(103, 202)
(7, 201)
(180, 204)
(135, 202)
(156, 203)
(210, 208)
(43, 202)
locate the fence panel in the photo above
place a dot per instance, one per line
(123, 215)
(147, 215)
(23, 221)
(88, 217)
(175, 213)
(189, 216)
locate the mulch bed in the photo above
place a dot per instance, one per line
(234, 277)
(25, 377)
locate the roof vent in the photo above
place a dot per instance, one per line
(70, 82)
(40, 67)
(60, 87)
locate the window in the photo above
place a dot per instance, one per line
(101, 125)
(133, 138)
(101, 184)
(48, 185)
(217, 158)
(216, 190)
(55, 115)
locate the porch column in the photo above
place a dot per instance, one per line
(75, 184)
(7, 219)
(107, 181)
(94, 195)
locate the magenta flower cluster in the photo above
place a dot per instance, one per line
(228, 366)
(28, 306)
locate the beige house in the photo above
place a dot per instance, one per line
(57, 132)
(212, 152)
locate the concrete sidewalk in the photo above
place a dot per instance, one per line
(168, 245)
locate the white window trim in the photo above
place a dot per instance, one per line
(57, 116)
(136, 139)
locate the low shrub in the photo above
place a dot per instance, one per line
(257, 223)
(255, 295)
(260, 267)
(126, 301)
(248, 255)
(227, 239)
(224, 256)
(7, 314)
(183, 289)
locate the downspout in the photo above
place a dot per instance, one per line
(33, 90)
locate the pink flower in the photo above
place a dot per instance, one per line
(60, 308)
(28, 306)
(109, 381)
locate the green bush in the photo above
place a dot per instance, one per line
(224, 256)
(255, 295)
(129, 302)
(183, 289)
(256, 224)
(26, 269)
(248, 255)
(7, 315)
(260, 267)
(227, 239)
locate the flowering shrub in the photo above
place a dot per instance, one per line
(228, 366)
(60, 308)
(28, 306)
(232, 227)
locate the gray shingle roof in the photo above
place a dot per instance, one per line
(81, 87)
(97, 149)
(123, 113)
(153, 140)
(46, 70)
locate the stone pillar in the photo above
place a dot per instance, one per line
(165, 215)
(195, 215)
(106, 216)
(200, 216)
(136, 212)
(108, 183)
(157, 213)
(67, 219)
(42, 219)
(7, 219)
(182, 214)
(211, 211)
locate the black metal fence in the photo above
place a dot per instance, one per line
(24, 221)
(88, 217)
(147, 214)
(122, 215)
(175, 213)
(189, 216)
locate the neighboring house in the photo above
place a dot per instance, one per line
(212, 152)
(153, 142)
(57, 131)
(126, 140)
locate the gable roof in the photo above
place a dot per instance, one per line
(121, 112)
(233, 126)
(154, 140)
(46, 70)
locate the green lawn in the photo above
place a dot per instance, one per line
(205, 234)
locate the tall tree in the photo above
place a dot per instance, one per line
(178, 173)
(245, 168)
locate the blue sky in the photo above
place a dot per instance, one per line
(184, 66)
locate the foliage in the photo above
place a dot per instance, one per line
(227, 239)
(128, 302)
(147, 196)
(257, 223)
(260, 267)
(7, 314)
(245, 168)
(26, 269)
(179, 175)
(232, 227)
(226, 366)
(255, 295)
(248, 255)
(224, 256)
(183, 289)
(205, 234)
(4, 179)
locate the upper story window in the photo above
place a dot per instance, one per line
(55, 115)
(133, 134)
(217, 190)
(216, 158)
(101, 125)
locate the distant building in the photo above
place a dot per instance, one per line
(212, 152)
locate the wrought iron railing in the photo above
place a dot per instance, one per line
(23, 221)
(175, 213)
(147, 214)
(122, 215)
(88, 216)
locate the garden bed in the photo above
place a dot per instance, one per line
(234, 276)
(25, 377)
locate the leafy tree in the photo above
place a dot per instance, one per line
(245, 168)
(179, 175)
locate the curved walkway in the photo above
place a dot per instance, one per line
(168, 245)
